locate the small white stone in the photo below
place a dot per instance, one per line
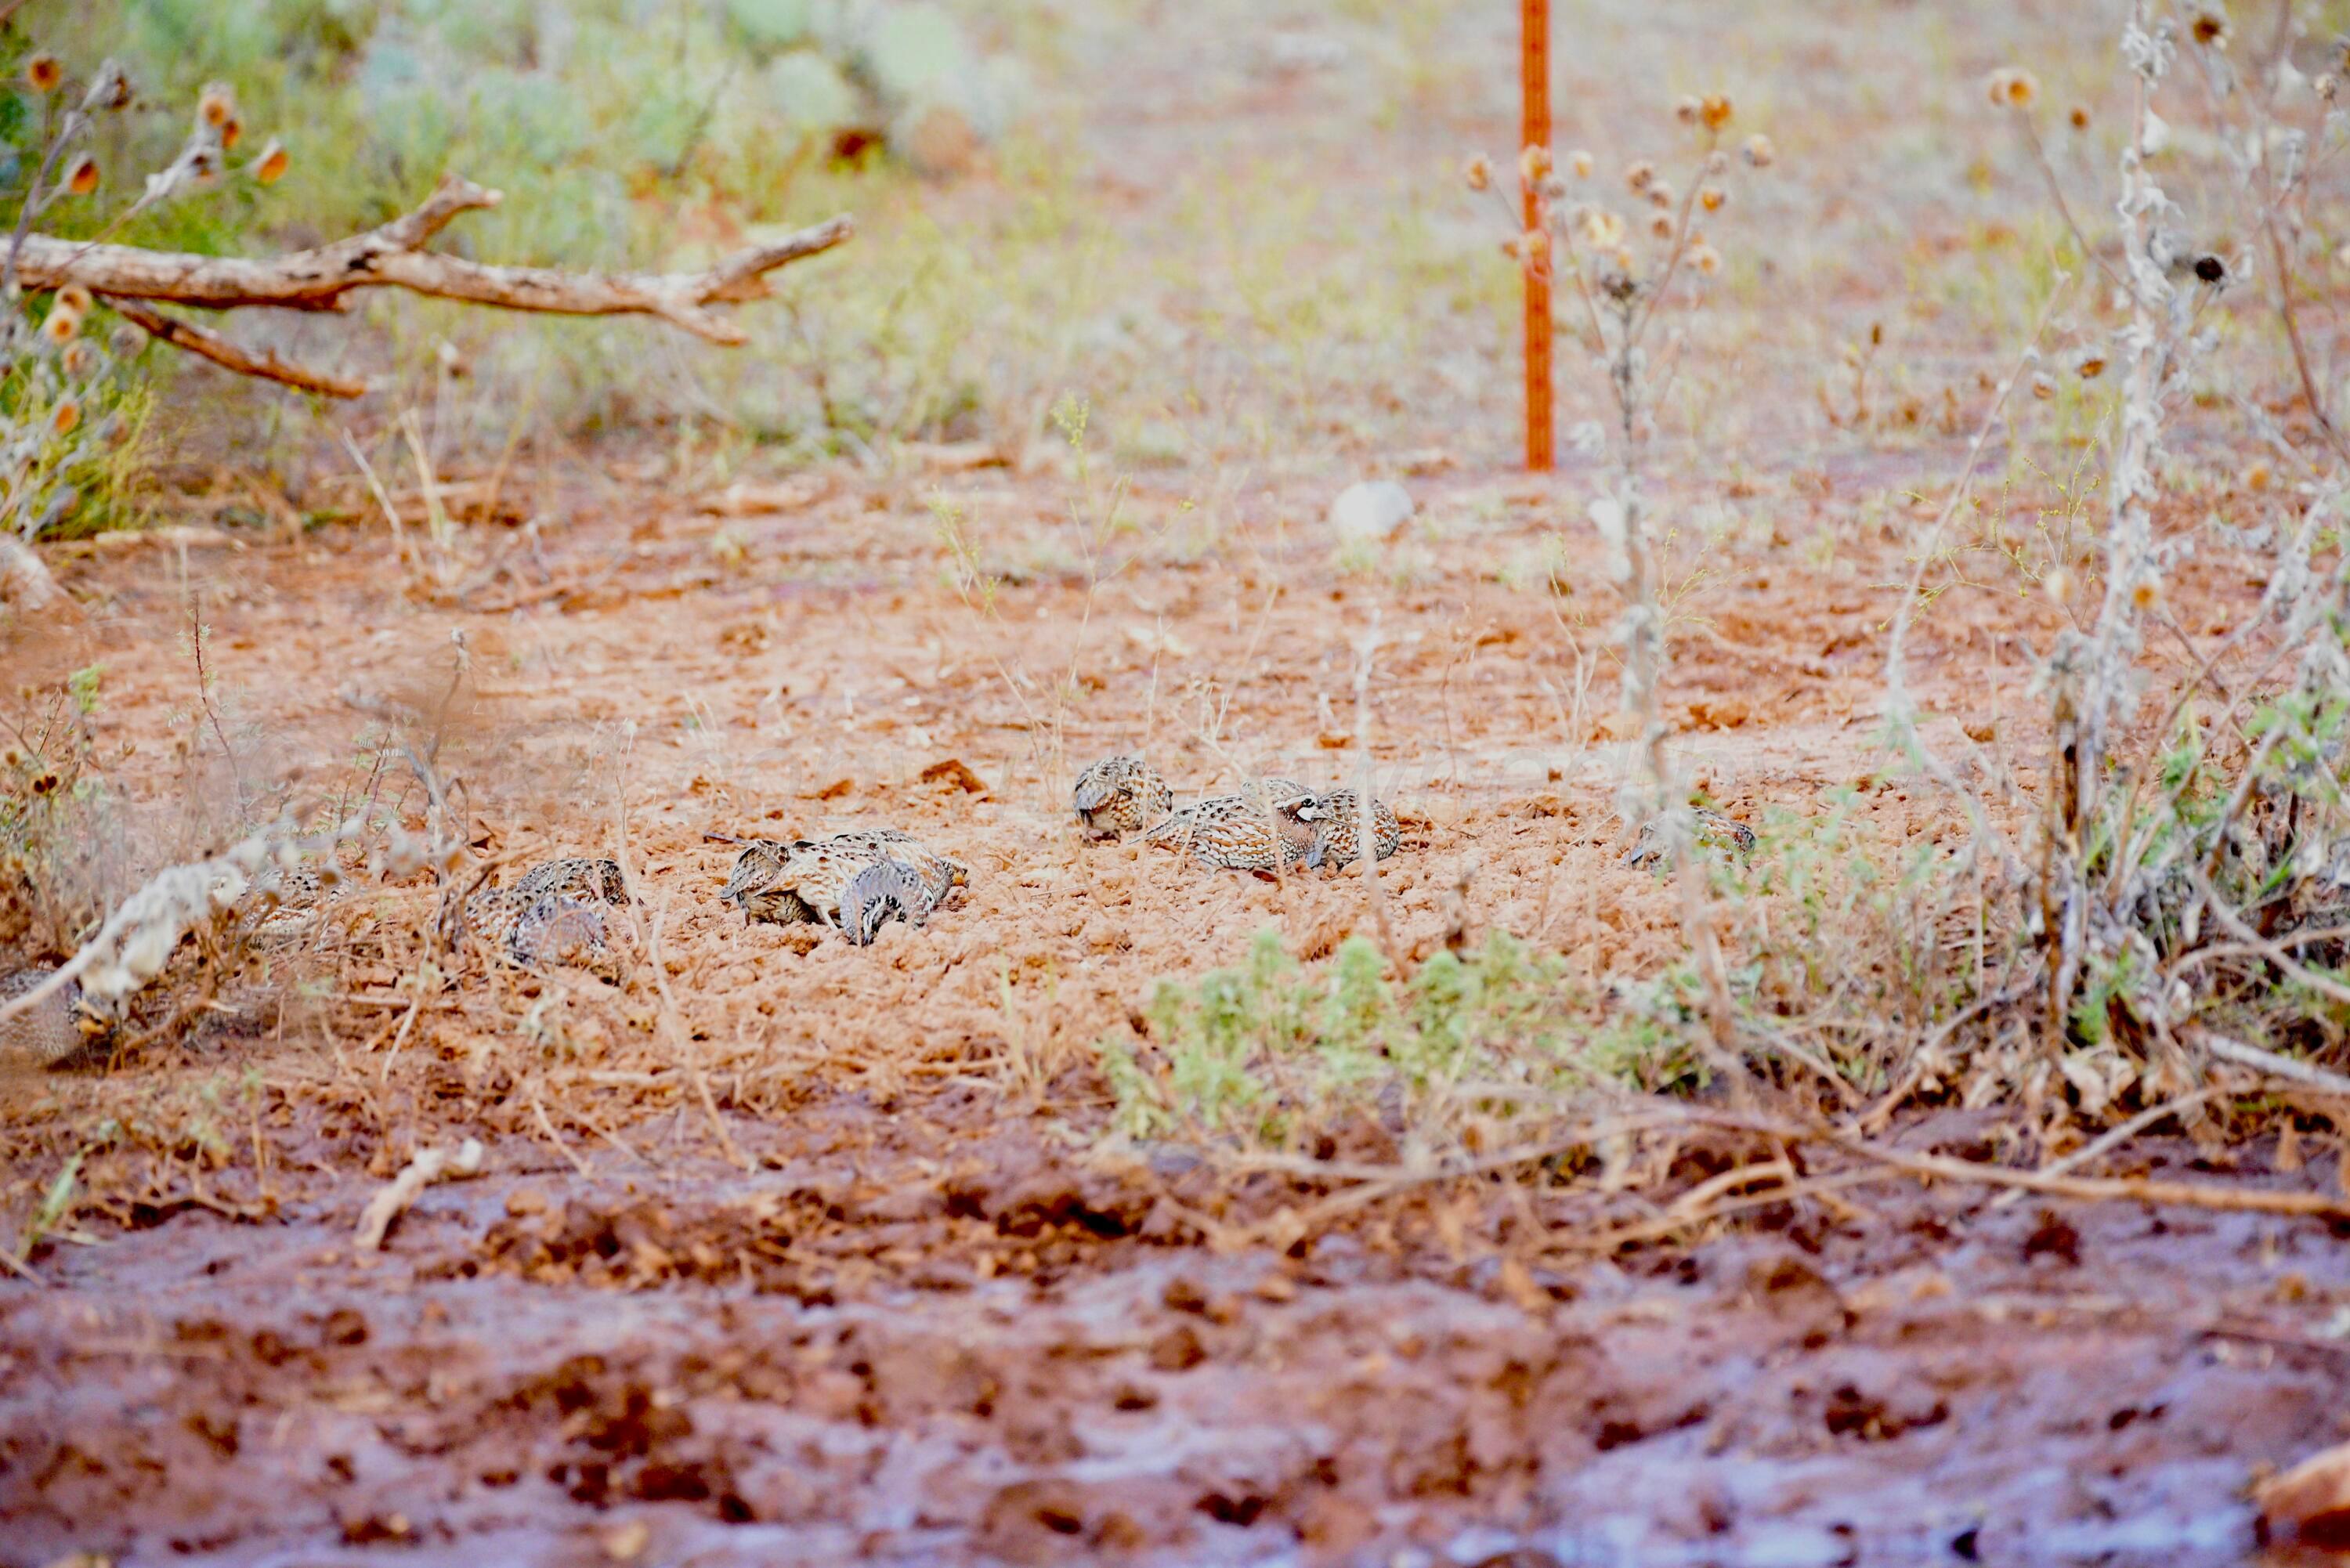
(1370, 509)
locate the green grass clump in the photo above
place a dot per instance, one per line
(1268, 1053)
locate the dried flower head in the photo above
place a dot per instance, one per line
(232, 131)
(2258, 477)
(1640, 175)
(2209, 28)
(1711, 198)
(2042, 387)
(1704, 258)
(2079, 118)
(47, 782)
(2328, 85)
(1477, 174)
(81, 178)
(62, 325)
(1660, 225)
(1534, 249)
(2058, 585)
(2210, 269)
(1602, 230)
(1687, 107)
(77, 298)
(2092, 367)
(126, 340)
(108, 89)
(1661, 194)
(2012, 87)
(77, 357)
(216, 105)
(1717, 163)
(65, 417)
(43, 72)
(1581, 163)
(1760, 153)
(1532, 164)
(1714, 111)
(270, 167)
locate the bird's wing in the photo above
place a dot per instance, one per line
(1094, 790)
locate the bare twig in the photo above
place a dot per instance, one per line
(394, 1196)
(2098, 1147)
(375, 485)
(392, 255)
(257, 362)
(2270, 1064)
(204, 696)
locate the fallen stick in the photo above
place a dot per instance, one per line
(2270, 1063)
(193, 339)
(2104, 1144)
(2093, 1189)
(132, 281)
(392, 255)
(393, 1198)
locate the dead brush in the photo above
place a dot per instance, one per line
(2177, 895)
(1623, 268)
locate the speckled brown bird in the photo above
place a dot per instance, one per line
(1232, 831)
(751, 886)
(1338, 819)
(533, 930)
(1712, 832)
(883, 891)
(804, 880)
(939, 875)
(1121, 794)
(282, 904)
(52, 1029)
(575, 877)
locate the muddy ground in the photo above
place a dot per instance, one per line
(786, 1251)
(522, 1380)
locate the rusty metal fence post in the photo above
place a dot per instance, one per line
(1535, 58)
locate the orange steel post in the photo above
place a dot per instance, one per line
(1534, 56)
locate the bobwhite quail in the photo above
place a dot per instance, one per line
(1338, 819)
(885, 891)
(806, 881)
(533, 931)
(753, 887)
(1710, 830)
(281, 904)
(49, 1031)
(577, 878)
(1249, 832)
(938, 875)
(1121, 794)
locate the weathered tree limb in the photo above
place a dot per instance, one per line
(228, 356)
(392, 257)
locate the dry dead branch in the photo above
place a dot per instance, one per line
(393, 1197)
(212, 345)
(392, 255)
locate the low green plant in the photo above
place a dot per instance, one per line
(1272, 1055)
